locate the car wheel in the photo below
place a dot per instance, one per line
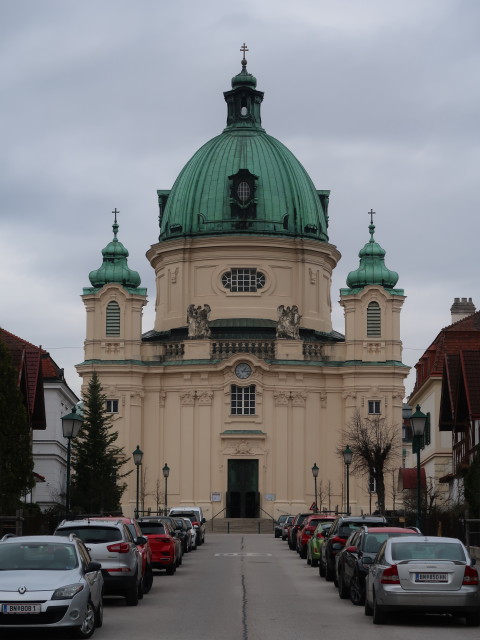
(472, 619)
(321, 569)
(148, 579)
(99, 614)
(314, 562)
(171, 569)
(379, 615)
(88, 624)
(309, 557)
(132, 596)
(303, 552)
(357, 595)
(342, 589)
(140, 589)
(277, 535)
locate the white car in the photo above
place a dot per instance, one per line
(49, 582)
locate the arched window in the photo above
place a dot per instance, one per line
(113, 319)
(374, 320)
(242, 400)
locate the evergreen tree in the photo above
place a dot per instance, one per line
(16, 459)
(96, 485)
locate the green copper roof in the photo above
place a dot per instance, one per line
(279, 198)
(114, 267)
(372, 269)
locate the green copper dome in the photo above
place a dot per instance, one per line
(372, 269)
(114, 267)
(243, 181)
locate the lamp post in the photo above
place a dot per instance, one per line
(137, 459)
(347, 459)
(71, 425)
(418, 420)
(315, 476)
(166, 472)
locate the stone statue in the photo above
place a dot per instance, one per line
(197, 321)
(288, 325)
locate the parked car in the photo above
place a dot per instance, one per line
(286, 526)
(192, 533)
(279, 525)
(162, 542)
(350, 566)
(172, 527)
(183, 534)
(306, 530)
(111, 543)
(144, 550)
(422, 574)
(195, 514)
(338, 533)
(292, 532)
(47, 581)
(314, 545)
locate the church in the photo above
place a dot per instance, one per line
(243, 384)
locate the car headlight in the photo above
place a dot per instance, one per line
(65, 593)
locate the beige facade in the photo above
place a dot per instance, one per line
(175, 394)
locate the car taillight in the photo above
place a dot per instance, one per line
(121, 547)
(470, 576)
(390, 575)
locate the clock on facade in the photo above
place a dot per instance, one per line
(243, 370)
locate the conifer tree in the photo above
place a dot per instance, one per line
(16, 459)
(96, 485)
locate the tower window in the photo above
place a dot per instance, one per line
(243, 280)
(374, 407)
(113, 319)
(374, 320)
(242, 400)
(111, 406)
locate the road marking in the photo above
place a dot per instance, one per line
(245, 555)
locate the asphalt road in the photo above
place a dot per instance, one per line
(252, 587)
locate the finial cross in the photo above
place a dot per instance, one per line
(244, 49)
(371, 213)
(115, 213)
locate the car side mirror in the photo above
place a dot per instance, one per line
(93, 566)
(140, 540)
(203, 520)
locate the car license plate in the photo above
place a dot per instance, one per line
(431, 577)
(22, 608)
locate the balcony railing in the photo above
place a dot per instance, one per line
(259, 348)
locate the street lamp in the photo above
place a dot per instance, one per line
(418, 420)
(137, 459)
(347, 459)
(71, 425)
(166, 472)
(315, 471)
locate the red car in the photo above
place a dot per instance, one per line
(144, 550)
(162, 543)
(307, 529)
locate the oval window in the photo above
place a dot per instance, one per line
(243, 191)
(244, 111)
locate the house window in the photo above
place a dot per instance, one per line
(243, 280)
(111, 406)
(374, 407)
(372, 483)
(374, 317)
(113, 319)
(242, 400)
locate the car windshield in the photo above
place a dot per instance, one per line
(149, 528)
(374, 541)
(36, 556)
(93, 535)
(428, 551)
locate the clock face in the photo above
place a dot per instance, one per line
(243, 370)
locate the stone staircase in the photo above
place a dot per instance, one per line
(240, 525)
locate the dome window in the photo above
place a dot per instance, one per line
(243, 191)
(243, 280)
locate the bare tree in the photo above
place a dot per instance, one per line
(375, 445)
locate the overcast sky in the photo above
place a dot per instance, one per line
(104, 101)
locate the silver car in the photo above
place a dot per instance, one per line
(423, 574)
(49, 582)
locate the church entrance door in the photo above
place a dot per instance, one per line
(243, 499)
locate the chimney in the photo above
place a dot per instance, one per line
(461, 308)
